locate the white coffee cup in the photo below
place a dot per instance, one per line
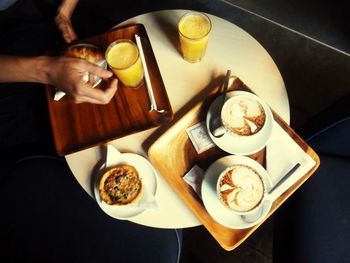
(244, 114)
(245, 131)
(241, 189)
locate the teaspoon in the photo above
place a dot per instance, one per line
(215, 125)
(256, 216)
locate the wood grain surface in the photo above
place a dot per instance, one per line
(173, 155)
(79, 126)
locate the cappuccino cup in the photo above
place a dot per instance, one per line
(241, 190)
(243, 115)
(244, 123)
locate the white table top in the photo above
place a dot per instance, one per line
(229, 47)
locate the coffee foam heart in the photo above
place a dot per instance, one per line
(243, 115)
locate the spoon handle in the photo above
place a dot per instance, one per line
(227, 78)
(284, 178)
(215, 125)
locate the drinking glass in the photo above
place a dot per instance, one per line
(194, 29)
(124, 60)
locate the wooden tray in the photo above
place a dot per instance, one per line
(173, 155)
(79, 126)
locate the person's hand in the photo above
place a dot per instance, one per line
(67, 74)
(64, 24)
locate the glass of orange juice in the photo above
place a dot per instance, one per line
(124, 60)
(194, 29)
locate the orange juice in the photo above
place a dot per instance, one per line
(194, 29)
(123, 58)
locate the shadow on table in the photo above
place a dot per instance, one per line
(216, 82)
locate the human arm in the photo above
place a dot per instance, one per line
(64, 73)
(63, 19)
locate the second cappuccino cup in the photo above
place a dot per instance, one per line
(124, 60)
(241, 189)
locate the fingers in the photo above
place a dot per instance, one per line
(65, 26)
(94, 72)
(112, 88)
(80, 76)
(82, 65)
(97, 70)
(68, 34)
(97, 96)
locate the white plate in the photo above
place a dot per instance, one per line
(211, 202)
(243, 145)
(147, 175)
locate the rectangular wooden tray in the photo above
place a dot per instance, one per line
(173, 155)
(79, 126)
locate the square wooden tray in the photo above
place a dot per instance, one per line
(173, 155)
(79, 126)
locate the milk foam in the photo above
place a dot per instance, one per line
(239, 115)
(241, 188)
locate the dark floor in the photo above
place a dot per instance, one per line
(315, 75)
(200, 247)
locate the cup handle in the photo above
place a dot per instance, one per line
(219, 131)
(252, 217)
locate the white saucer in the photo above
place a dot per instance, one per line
(210, 199)
(242, 145)
(148, 177)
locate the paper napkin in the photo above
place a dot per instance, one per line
(282, 153)
(194, 178)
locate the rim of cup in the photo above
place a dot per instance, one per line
(116, 42)
(197, 14)
(265, 107)
(84, 45)
(261, 173)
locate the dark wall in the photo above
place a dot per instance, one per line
(326, 21)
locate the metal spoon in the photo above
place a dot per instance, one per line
(284, 178)
(256, 216)
(215, 125)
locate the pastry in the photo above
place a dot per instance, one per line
(121, 185)
(85, 51)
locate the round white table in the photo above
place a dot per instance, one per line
(229, 47)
